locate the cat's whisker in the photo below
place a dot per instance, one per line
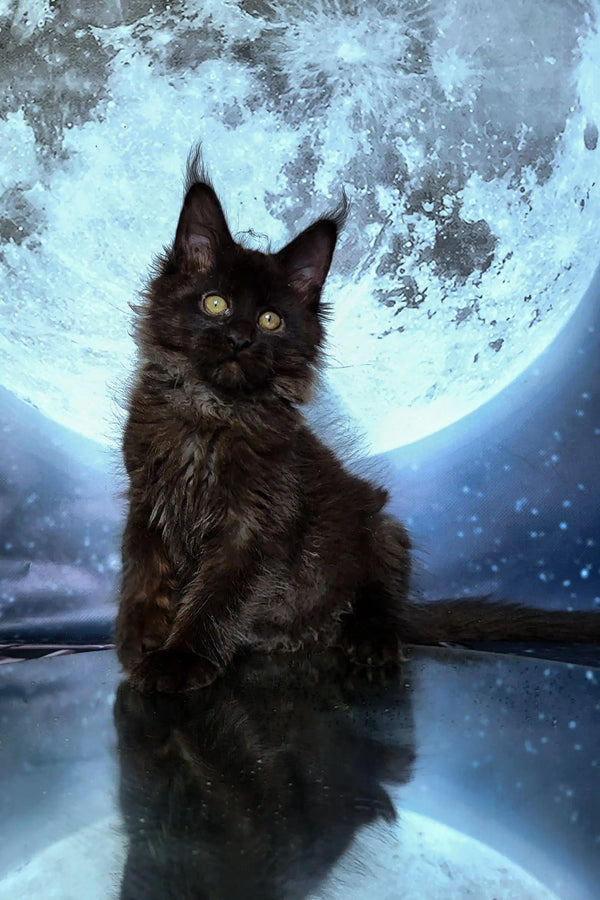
(354, 366)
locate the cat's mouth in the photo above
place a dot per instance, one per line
(230, 372)
(230, 375)
(236, 373)
(232, 366)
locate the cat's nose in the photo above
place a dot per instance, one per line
(239, 341)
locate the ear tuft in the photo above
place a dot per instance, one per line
(307, 258)
(195, 170)
(202, 227)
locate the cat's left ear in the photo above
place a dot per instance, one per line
(201, 229)
(307, 258)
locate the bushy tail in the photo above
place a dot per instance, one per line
(480, 619)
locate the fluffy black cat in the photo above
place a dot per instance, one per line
(244, 529)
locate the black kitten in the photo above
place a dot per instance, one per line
(244, 530)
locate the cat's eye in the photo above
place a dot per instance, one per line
(215, 305)
(270, 321)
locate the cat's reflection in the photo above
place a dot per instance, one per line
(255, 786)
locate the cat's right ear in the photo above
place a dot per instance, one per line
(306, 260)
(201, 230)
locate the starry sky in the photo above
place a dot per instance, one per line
(506, 501)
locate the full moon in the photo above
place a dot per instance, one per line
(465, 137)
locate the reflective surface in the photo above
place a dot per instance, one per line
(298, 777)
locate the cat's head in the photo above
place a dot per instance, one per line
(246, 323)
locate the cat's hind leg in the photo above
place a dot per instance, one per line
(372, 634)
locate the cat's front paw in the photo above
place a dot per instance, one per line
(169, 671)
(140, 628)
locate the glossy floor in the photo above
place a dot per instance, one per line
(466, 774)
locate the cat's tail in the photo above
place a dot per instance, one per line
(481, 619)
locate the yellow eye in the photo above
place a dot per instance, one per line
(215, 305)
(270, 321)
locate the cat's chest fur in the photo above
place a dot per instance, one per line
(222, 482)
